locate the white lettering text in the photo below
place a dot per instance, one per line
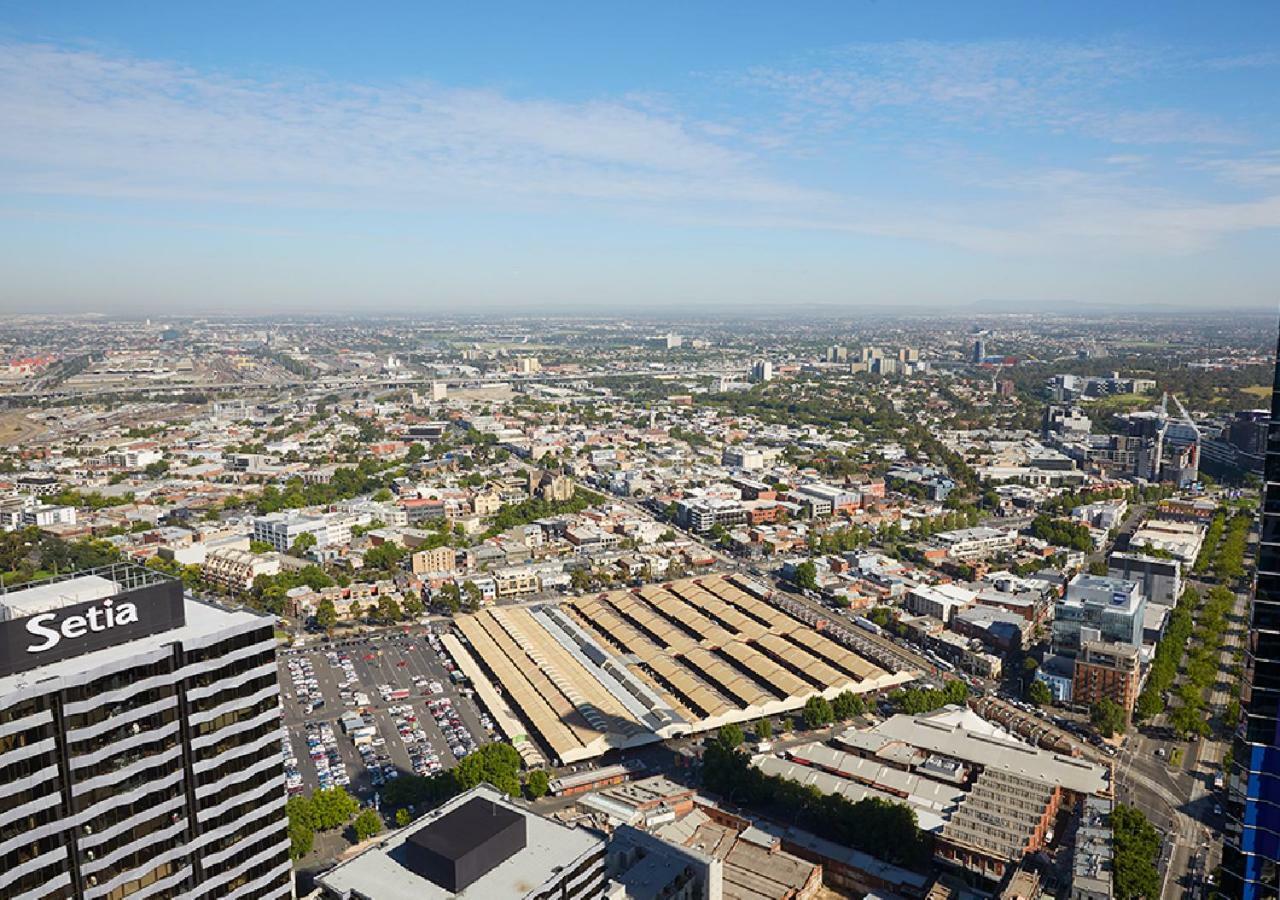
(94, 620)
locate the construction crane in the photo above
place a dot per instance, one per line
(1186, 416)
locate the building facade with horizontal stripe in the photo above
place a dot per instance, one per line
(140, 735)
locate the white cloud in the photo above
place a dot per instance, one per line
(1035, 86)
(1260, 169)
(81, 122)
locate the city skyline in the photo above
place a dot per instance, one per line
(709, 161)
(919, 573)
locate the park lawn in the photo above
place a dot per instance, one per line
(1121, 402)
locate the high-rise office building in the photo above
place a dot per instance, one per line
(140, 749)
(1251, 857)
(762, 371)
(979, 350)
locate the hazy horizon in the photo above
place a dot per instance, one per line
(731, 159)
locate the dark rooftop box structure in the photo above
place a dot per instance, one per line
(460, 847)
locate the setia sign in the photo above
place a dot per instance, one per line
(85, 627)
(95, 618)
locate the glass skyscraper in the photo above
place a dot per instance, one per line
(1250, 857)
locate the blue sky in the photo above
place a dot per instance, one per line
(397, 157)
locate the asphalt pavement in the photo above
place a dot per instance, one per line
(393, 659)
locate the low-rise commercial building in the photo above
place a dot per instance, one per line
(439, 559)
(940, 602)
(1105, 670)
(976, 543)
(998, 628)
(1003, 818)
(282, 530)
(1058, 674)
(1103, 514)
(701, 516)
(755, 865)
(1093, 856)
(834, 500)
(1181, 539)
(236, 569)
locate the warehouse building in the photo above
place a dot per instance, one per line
(988, 798)
(834, 771)
(1003, 818)
(628, 668)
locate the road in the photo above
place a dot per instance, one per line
(1179, 797)
(62, 392)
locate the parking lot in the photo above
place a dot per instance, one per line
(362, 711)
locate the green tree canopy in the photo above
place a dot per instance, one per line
(537, 783)
(326, 614)
(333, 807)
(413, 606)
(302, 826)
(1038, 693)
(731, 735)
(817, 712)
(1137, 847)
(302, 543)
(1107, 717)
(807, 575)
(847, 705)
(366, 825)
(497, 764)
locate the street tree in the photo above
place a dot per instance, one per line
(1107, 717)
(731, 735)
(537, 783)
(388, 609)
(817, 712)
(1038, 693)
(326, 615)
(807, 575)
(413, 605)
(333, 808)
(366, 825)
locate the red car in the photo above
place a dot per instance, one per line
(402, 663)
(369, 656)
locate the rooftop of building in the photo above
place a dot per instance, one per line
(1089, 581)
(977, 533)
(383, 872)
(1109, 648)
(755, 868)
(1144, 558)
(202, 620)
(1000, 814)
(834, 771)
(1091, 861)
(628, 669)
(46, 596)
(937, 734)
